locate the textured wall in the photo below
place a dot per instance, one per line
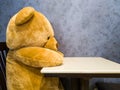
(82, 27)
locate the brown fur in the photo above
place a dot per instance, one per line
(32, 45)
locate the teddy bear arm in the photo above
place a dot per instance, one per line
(38, 57)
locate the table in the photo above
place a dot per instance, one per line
(84, 68)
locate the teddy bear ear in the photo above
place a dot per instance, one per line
(24, 15)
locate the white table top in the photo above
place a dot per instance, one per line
(76, 65)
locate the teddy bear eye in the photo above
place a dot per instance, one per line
(48, 37)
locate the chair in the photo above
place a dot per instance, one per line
(3, 53)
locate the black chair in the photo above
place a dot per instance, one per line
(3, 53)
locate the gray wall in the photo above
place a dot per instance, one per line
(82, 27)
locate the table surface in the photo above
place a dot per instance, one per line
(85, 65)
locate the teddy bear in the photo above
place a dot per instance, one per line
(32, 45)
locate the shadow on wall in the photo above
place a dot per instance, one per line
(112, 47)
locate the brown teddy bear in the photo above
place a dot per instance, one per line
(32, 45)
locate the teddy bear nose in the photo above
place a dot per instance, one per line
(24, 15)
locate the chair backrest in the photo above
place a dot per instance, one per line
(3, 53)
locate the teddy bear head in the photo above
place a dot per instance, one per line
(31, 38)
(28, 28)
